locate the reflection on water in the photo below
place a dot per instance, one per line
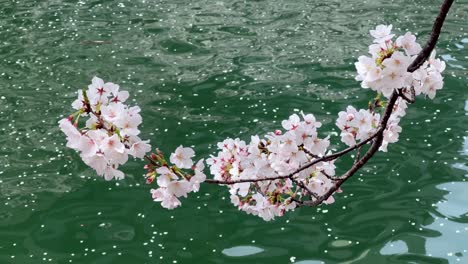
(452, 240)
(452, 223)
(309, 262)
(451, 61)
(465, 143)
(454, 204)
(242, 251)
(464, 151)
(395, 247)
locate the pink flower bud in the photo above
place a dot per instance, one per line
(159, 152)
(278, 132)
(149, 180)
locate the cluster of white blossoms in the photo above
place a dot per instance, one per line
(428, 78)
(386, 69)
(172, 181)
(357, 126)
(111, 131)
(274, 158)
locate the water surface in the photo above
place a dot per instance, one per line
(203, 71)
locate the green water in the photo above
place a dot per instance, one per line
(203, 71)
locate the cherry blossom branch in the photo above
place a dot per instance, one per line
(111, 135)
(422, 56)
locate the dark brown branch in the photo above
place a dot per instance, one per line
(246, 180)
(431, 43)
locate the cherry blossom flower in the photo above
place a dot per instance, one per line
(182, 157)
(178, 188)
(291, 123)
(408, 43)
(198, 177)
(382, 33)
(73, 135)
(168, 200)
(139, 148)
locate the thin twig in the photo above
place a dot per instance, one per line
(411, 100)
(309, 153)
(150, 160)
(333, 178)
(358, 154)
(301, 184)
(297, 201)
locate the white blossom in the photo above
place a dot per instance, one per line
(382, 33)
(182, 157)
